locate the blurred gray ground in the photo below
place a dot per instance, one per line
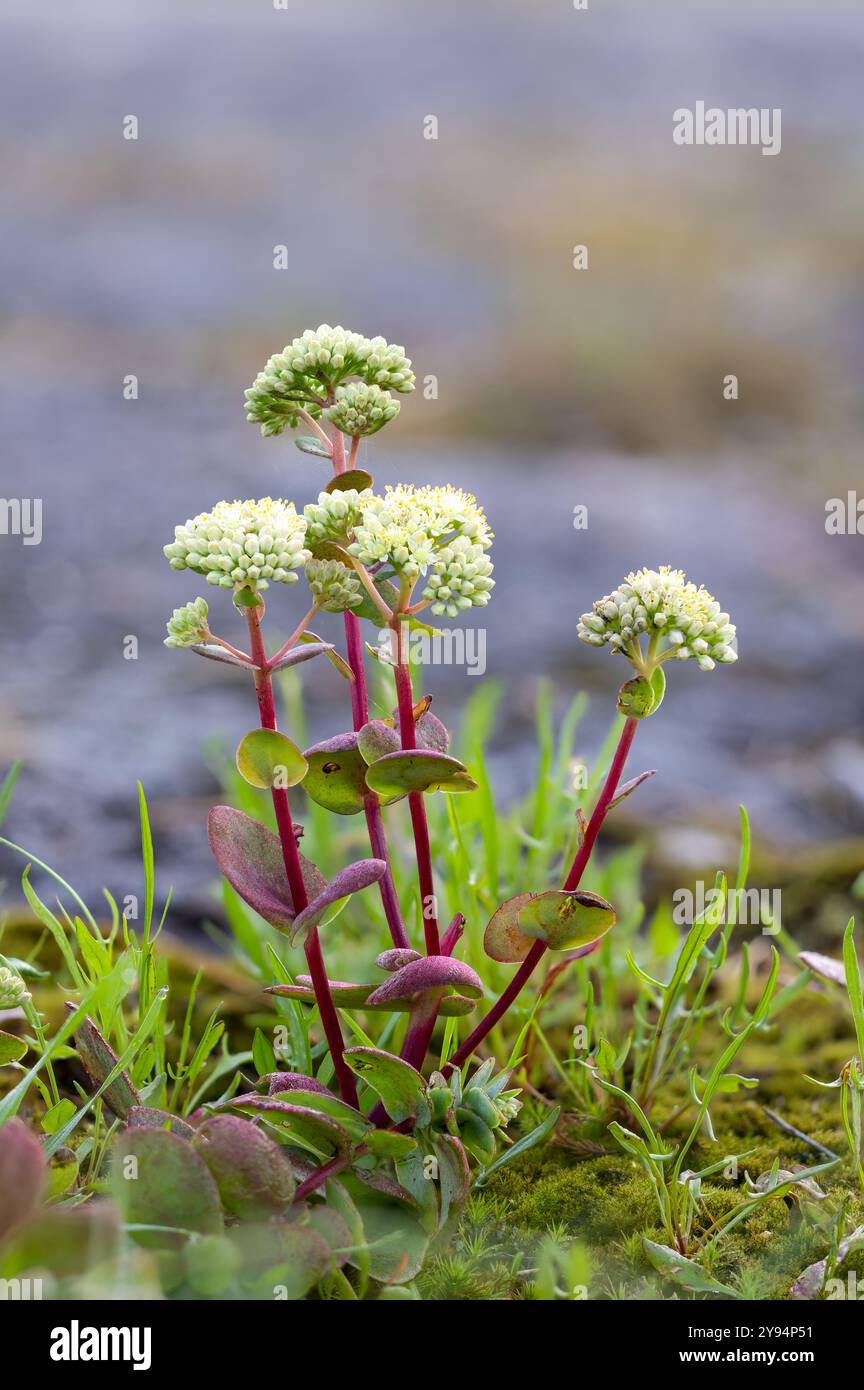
(260, 127)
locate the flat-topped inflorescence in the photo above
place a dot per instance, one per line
(242, 544)
(306, 376)
(405, 528)
(678, 619)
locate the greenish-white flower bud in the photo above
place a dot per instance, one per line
(188, 625)
(362, 410)
(335, 587)
(13, 991)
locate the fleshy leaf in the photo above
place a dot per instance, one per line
(23, 1175)
(150, 1117)
(429, 732)
(250, 857)
(566, 920)
(352, 996)
(395, 958)
(356, 478)
(323, 1105)
(824, 966)
(336, 776)
(12, 1049)
(312, 646)
(311, 444)
(386, 1143)
(280, 1081)
(311, 639)
(99, 1060)
(503, 939)
(376, 739)
(214, 652)
(398, 1085)
(352, 879)
(266, 758)
(454, 1177)
(420, 771)
(430, 972)
(158, 1179)
(252, 1172)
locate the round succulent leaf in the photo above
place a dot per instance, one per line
(636, 698)
(23, 1174)
(336, 775)
(305, 1125)
(279, 1081)
(159, 1180)
(419, 771)
(250, 857)
(564, 920)
(352, 879)
(396, 957)
(266, 758)
(397, 1243)
(429, 732)
(386, 1143)
(150, 1117)
(430, 972)
(321, 1102)
(504, 940)
(352, 996)
(355, 478)
(377, 738)
(398, 1085)
(251, 1171)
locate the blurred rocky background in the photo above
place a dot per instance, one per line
(556, 388)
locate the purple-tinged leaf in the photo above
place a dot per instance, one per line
(159, 1180)
(397, 957)
(824, 966)
(631, 787)
(330, 652)
(98, 1061)
(420, 771)
(23, 1175)
(251, 1171)
(336, 778)
(296, 655)
(430, 972)
(429, 733)
(149, 1117)
(356, 478)
(352, 879)
(565, 920)
(398, 1085)
(503, 940)
(377, 738)
(250, 857)
(353, 996)
(279, 1081)
(314, 1130)
(214, 652)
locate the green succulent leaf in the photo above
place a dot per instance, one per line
(266, 758)
(356, 478)
(399, 1086)
(420, 771)
(159, 1180)
(311, 444)
(566, 920)
(336, 775)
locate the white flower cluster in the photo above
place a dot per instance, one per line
(361, 409)
(314, 364)
(661, 603)
(459, 578)
(404, 527)
(334, 586)
(242, 544)
(335, 514)
(188, 625)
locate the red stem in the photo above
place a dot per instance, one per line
(416, 805)
(294, 871)
(526, 969)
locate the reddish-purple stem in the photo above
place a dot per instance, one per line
(526, 969)
(416, 805)
(291, 856)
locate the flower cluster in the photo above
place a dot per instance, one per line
(459, 578)
(242, 544)
(188, 625)
(335, 514)
(404, 527)
(362, 409)
(663, 604)
(13, 991)
(305, 374)
(334, 586)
